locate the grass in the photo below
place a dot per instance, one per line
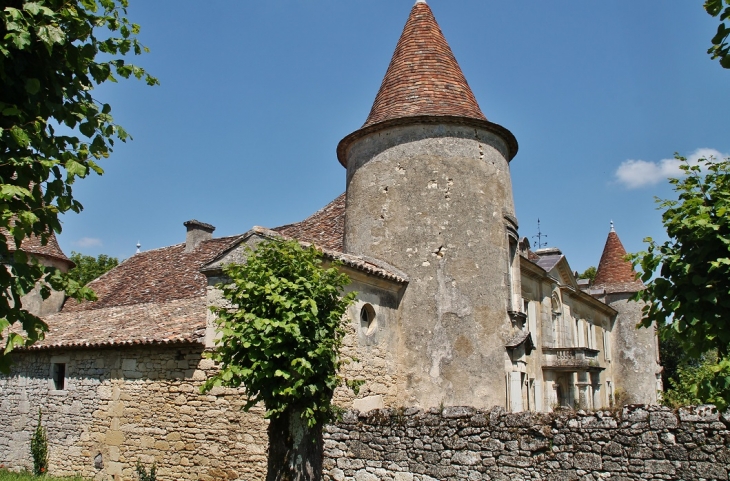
(10, 476)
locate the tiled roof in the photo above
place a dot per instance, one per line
(155, 276)
(33, 245)
(548, 260)
(325, 228)
(615, 273)
(366, 264)
(177, 321)
(424, 85)
(423, 77)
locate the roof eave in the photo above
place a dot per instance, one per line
(497, 129)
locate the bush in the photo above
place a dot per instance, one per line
(144, 475)
(39, 448)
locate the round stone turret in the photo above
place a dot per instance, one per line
(637, 372)
(429, 191)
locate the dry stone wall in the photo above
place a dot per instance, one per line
(127, 405)
(456, 443)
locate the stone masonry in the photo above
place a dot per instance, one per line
(648, 443)
(127, 405)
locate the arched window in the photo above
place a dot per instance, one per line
(368, 321)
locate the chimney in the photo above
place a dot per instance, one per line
(197, 233)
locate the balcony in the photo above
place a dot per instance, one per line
(571, 359)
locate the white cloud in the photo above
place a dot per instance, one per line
(88, 242)
(640, 173)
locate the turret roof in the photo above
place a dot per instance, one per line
(423, 77)
(34, 245)
(424, 84)
(615, 273)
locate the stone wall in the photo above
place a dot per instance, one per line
(127, 405)
(649, 443)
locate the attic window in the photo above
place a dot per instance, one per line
(368, 323)
(59, 376)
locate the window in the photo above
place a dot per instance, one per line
(59, 376)
(368, 323)
(607, 345)
(591, 344)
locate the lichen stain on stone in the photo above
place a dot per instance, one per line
(463, 346)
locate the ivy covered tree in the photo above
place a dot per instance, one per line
(89, 268)
(282, 331)
(52, 132)
(690, 296)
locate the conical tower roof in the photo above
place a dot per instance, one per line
(34, 245)
(424, 84)
(423, 77)
(615, 273)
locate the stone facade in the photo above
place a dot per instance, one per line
(647, 443)
(433, 201)
(125, 405)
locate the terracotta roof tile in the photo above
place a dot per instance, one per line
(423, 77)
(325, 228)
(615, 273)
(177, 321)
(366, 264)
(159, 275)
(33, 245)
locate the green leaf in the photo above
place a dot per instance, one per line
(32, 86)
(20, 136)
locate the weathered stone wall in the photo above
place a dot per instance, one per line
(128, 405)
(636, 351)
(436, 202)
(649, 443)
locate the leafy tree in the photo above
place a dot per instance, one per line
(720, 48)
(52, 132)
(589, 273)
(684, 388)
(281, 337)
(690, 294)
(89, 268)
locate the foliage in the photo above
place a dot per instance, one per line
(690, 294)
(39, 448)
(52, 131)
(11, 476)
(144, 475)
(282, 333)
(89, 268)
(720, 48)
(699, 383)
(589, 273)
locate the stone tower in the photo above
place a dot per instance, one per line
(429, 191)
(636, 371)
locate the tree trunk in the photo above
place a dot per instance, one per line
(295, 449)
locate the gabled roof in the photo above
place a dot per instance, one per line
(155, 276)
(180, 321)
(615, 273)
(325, 228)
(423, 77)
(368, 265)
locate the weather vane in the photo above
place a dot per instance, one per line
(538, 243)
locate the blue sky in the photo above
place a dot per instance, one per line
(254, 97)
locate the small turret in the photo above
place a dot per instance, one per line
(636, 371)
